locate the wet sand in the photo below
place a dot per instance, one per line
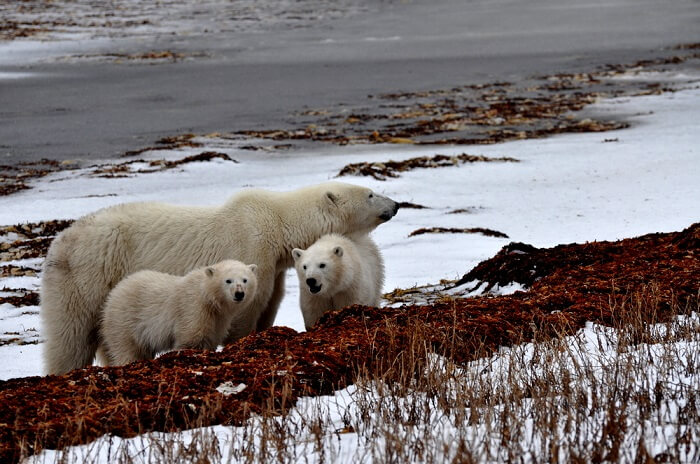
(239, 80)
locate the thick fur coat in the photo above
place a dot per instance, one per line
(149, 312)
(257, 226)
(338, 271)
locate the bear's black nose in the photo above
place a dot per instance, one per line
(314, 287)
(386, 215)
(239, 296)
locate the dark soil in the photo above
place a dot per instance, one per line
(569, 285)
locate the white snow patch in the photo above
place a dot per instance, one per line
(228, 388)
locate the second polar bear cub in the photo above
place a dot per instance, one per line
(338, 271)
(149, 312)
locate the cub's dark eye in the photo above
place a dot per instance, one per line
(228, 281)
(304, 266)
(322, 265)
(371, 195)
(245, 281)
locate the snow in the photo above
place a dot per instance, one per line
(596, 359)
(228, 388)
(567, 188)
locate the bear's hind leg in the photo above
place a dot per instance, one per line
(69, 325)
(126, 352)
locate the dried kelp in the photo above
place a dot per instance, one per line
(127, 169)
(573, 284)
(454, 230)
(381, 171)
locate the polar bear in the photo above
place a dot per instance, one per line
(89, 258)
(338, 271)
(149, 311)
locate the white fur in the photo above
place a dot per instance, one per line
(338, 271)
(255, 226)
(149, 311)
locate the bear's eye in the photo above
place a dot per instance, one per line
(228, 281)
(371, 195)
(304, 266)
(322, 265)
(245, 281)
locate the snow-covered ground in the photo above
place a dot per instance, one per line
(597, 368)
(568, 188)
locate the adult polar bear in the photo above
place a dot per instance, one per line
(255, 226)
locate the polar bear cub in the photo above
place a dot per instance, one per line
(338, 271)
(149, 312)
(89, 258)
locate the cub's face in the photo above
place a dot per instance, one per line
(361, 207)
(319, 269)
(238, 282)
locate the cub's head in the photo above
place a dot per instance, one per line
(321, 269)
(234, 281)
(358, 209)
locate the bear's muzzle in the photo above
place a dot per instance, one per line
(313, 288)
(390, 213)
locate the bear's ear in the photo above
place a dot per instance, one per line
(332, 197)
(209, 271)
(296, 253)
(338, 251)
(253, 267)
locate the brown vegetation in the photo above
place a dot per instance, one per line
(383, 170)
(32, 240)
(14, 178)
(454, 230)
(478, 114)
(573, 284)
(474, 114)
(126, 169)
(168, 143)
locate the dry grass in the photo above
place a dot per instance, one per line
(627, 393)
